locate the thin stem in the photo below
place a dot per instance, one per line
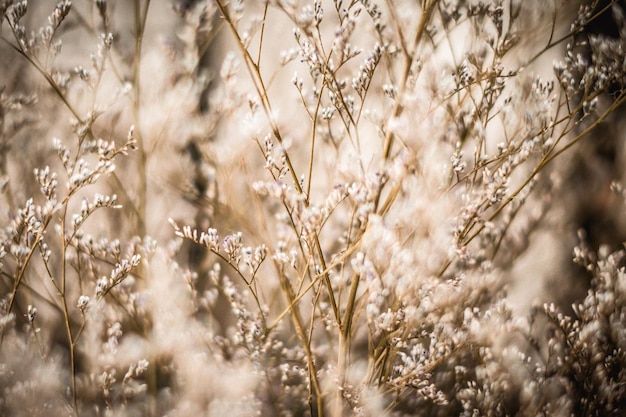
(259, 85)
(397, 106)
(258, 58)
(345, 341)
(66, 315)
(140, 25)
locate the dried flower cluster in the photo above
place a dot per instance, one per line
(312, 208)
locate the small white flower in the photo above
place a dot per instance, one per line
(83, 302)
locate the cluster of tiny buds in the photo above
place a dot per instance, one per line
(361, 81)
(121, 271)
(60, 12)
(18, 10)
(48, 182)
(88, 207)
(311, 15)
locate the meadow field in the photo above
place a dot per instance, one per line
(312, 208)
